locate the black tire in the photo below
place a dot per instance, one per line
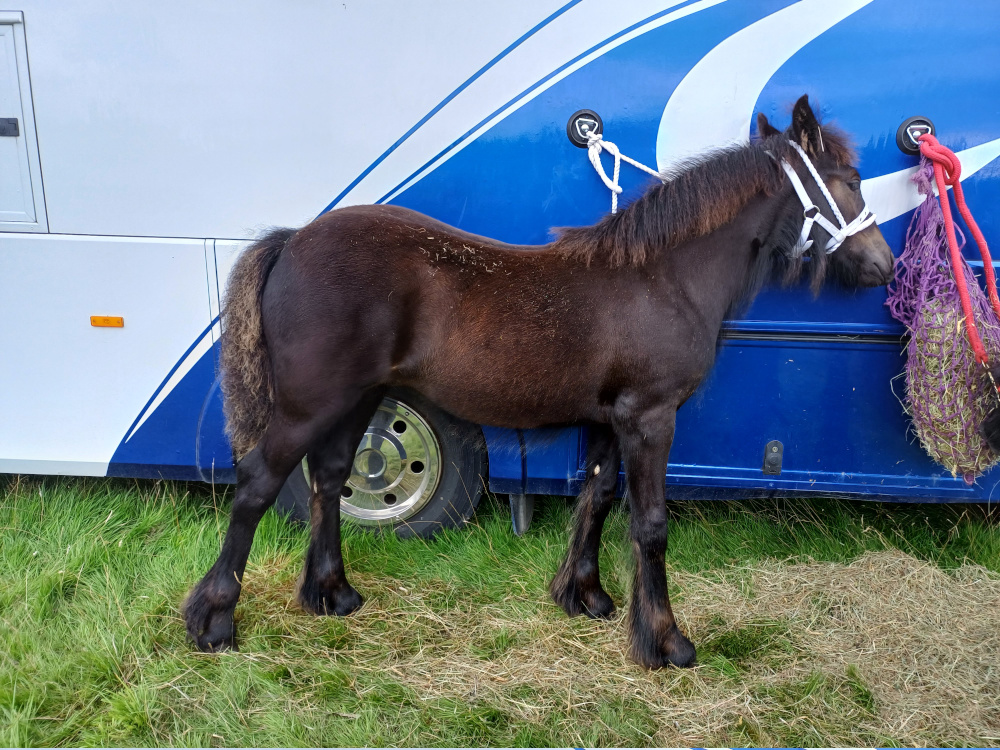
(453, 499)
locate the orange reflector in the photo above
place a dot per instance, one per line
(107, 321)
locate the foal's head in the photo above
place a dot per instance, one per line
(864, 258)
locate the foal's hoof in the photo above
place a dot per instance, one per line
(209, 625)
(597, 604)
(338, 602)
(672, 649)
(593, 602)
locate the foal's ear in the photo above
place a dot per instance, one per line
(764, 128)
(805, 127)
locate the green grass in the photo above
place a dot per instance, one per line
(457, 644)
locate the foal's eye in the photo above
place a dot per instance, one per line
(854, 185)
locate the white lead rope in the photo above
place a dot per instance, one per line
(837, 234)
(595, 146)
(810, 211)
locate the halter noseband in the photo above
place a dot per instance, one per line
(812, 215)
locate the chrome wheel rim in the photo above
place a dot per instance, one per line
(396, 469)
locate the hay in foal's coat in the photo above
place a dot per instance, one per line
(926, 643)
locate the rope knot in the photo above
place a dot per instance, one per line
(941, 156)
(596, 144)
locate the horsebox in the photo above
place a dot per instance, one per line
(142, 147)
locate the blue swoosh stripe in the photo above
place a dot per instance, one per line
(128, 432)
(531, 32)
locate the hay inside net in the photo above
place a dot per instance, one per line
(947, 391)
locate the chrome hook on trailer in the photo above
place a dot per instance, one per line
(909, 132)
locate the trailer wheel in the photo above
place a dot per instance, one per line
(417, 470)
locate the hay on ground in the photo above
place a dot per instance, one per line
(886, 649)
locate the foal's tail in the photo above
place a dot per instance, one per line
(246, 366)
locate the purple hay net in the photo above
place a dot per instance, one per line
(947, 392)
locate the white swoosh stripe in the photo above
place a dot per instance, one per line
(712, 105)
(892, 195)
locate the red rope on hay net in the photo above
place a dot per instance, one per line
(948, 172)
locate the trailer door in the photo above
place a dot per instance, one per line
(21, 206)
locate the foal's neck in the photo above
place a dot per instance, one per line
(723, 271)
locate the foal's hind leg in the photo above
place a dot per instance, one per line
(209, 608)
(324, 589)
(577, 586)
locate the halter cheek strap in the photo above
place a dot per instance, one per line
(812, 215)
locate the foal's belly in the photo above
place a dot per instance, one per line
(513, 391)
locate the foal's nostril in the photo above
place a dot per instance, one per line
(883, 260)
(887, 266)
(877, 270)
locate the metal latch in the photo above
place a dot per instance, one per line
(581, 124)
(773, 453)
(909, 132)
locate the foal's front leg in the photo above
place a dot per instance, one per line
(577, 586)
(654, 638)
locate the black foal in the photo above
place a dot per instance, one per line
(613, 326)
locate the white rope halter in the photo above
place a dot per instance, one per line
(812, 215)
(594, 147)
